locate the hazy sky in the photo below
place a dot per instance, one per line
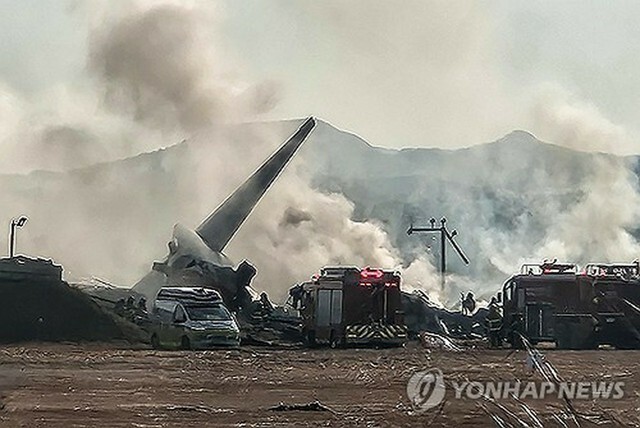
(398, 73)
(86, 81)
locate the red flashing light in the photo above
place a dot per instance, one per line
(371, 273)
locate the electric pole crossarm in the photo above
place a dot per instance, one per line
(422, 229)
(445, 235)
(456, 247)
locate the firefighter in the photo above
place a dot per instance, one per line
(130, 309)
(468, 304)
(515, 330)
(494, 324)
(130, 303)
(494, 303)
(295, 293)
(267, 306)
(141, 314)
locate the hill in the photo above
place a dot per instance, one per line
(511, 200)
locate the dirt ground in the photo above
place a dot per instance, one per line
(71, 385)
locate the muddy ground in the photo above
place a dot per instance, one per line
(71, 385)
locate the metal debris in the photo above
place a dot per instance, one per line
(437, 341)
(314, 406)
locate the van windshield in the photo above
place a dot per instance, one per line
(208, 313)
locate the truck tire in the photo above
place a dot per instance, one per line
(626, 342)
(590, 343)
(564, 340)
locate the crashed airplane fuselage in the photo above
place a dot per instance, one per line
(196, 257)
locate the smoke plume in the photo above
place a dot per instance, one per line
(597, 227)
(158, 73)
(156, 79)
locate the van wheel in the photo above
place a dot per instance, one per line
(333, 341)
(185, 344)
(155, 342)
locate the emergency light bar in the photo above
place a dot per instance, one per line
(616, 269)
(371, 273)
(547, 268)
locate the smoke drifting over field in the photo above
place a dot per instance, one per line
(157, 80)
(297, 230)
(157, 73)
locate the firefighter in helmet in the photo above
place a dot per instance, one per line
(468, 304)
(494, 324)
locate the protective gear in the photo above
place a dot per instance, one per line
(494, 324)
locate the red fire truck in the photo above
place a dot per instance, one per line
(554, 302)
(350, 306)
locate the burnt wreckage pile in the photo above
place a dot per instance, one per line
(196, 259)
(422, 315)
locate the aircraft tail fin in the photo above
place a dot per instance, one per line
(218, 229)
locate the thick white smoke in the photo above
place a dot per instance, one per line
(598, 227)
(156, 77)
(595, 226)
(157, 74)
(563, 119)
(298, 230)
(439, 74)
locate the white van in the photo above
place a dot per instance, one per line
(192, 318)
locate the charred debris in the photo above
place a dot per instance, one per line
(340, 306)
(196, 259)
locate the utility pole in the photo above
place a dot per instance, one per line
(445, 235)
(15, 224)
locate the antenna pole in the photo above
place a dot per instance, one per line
(443, 253)
(12, 239)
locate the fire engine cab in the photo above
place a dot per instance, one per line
(350, 306)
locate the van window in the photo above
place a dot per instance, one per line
(179, 314)
(164, 310)
(208, 313)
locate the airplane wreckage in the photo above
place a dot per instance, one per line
(345, 304)
(100, 311)
(196, 259)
